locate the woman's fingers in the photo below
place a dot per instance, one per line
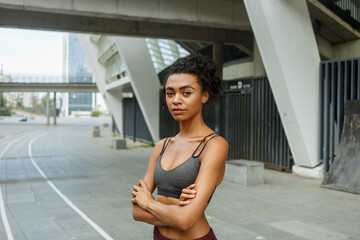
(187, 196)
(191, 186)
(188, 191)
(136, 188)
(184, 203)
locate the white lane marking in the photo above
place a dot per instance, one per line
(2, 206)
(67, 201)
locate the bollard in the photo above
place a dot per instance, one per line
(119, 143)
(248, 173)
(96, 131)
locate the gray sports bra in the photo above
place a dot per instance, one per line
(170, 183)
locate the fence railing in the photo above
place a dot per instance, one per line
(348, 10)
(134, 125)
(249, 121)
(339, 82)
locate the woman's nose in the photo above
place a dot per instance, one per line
(177, 99)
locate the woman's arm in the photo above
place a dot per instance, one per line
(145, 216)
(138, 213)
(184, 217)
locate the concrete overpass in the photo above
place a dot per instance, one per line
(48, 87)
(283, 30)
(199, 20)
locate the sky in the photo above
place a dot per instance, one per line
(31, 51)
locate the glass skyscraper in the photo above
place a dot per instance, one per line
(78, 71)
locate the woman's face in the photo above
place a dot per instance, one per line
(184, 96)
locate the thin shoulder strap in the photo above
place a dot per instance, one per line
(202, 141)
(166, 143)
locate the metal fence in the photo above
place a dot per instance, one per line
(348, 10)
(248, 120)
(339, 82)
(134, 125)
(252, 125)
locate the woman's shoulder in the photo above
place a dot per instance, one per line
(217, 143)
(159, 145)
(219, 140)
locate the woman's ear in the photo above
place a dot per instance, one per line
(205, 97)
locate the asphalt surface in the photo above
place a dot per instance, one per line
(59, 182)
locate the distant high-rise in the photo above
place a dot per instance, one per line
(76, 70)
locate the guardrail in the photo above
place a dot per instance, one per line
(346, 10)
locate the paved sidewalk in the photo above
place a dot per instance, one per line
(98, 179)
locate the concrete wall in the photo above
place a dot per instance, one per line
(238, 70)
(347, 50)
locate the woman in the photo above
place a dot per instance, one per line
(196, 155)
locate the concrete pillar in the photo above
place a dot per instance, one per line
(137, 63)
(54, 108)
(143, 79)
(47, 109)
(259, 69)
(218, 58)
(287, 44)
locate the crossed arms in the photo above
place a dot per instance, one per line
(184, 215)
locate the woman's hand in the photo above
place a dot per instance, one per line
(187, 194)
(142, 195)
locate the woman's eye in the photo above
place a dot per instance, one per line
(169, 93)
(187, 93)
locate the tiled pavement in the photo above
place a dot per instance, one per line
(97, 180)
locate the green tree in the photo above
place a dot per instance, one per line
(43, 102)
(4, 109)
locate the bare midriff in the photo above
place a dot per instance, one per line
(199, 229)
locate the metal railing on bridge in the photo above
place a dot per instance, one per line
(347, 10)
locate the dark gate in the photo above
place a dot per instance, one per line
(134, 125)
(252, 125)
(339, 82)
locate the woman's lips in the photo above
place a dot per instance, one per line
(178, 111)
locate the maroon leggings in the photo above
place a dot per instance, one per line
(209, 236)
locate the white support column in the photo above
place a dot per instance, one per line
(112, 100)
(287, 45)
(54, 108)
(47, 108)
(144, 80)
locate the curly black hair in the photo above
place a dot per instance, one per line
(203, 68)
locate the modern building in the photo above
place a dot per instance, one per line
(76, 70)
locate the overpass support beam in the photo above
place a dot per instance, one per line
(143, 79)
(47, 109)
(137, 65)
(282, 29)
(54, 108)
(218, 58)
(113, 99)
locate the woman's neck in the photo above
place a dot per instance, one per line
(193, 127)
